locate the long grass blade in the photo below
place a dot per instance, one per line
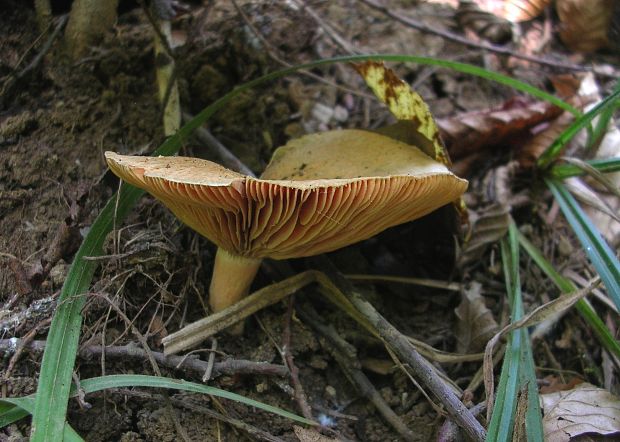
(59, 357)
(600, 254)
(518, 375)
(605, 165)
(26, 404)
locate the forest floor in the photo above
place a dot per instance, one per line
(57, 121)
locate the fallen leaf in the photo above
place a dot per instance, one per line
(555, 384)
(406, 105)
(489, 226)
(584, 23)
(514, 10)
(476, 324)
(470, 132)
(584, 409)
(483, 22)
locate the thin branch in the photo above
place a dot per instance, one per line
(190, 365)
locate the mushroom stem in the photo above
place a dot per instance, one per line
(231, 280)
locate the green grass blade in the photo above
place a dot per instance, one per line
(599, 253)
(554, 150)
(565, 285)
(10, 413)
(59, 356)
(119, 381)
(27, 404)
(24, 406)
(603, 123)
(518, 371)
(604, 165)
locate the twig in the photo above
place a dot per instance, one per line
(190, 365)
(198, 331)
(453, 286)
(287, 355)
(236, 423)
(407, 353)
(226, 157)
(210, 361)
(403, 18)
(346, 356)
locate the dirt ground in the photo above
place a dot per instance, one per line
(56, 122)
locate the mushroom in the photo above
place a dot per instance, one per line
(319, 193)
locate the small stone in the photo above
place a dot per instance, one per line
(330, 392)
(318, 362)
(262, 387)
(58, 273)
(322, 113)
(341, 114)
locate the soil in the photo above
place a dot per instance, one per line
(55, 125)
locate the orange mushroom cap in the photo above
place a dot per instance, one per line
(320, 192)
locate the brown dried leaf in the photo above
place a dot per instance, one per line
(585, 409)
(489, 227)
(514, 10)
(485, 23)
(470, 132)
(476, 324)
(584, 23)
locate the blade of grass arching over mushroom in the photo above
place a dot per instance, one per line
(517, 375)
(566, 286)
(59, 357)
(600, 254)
(555, 149)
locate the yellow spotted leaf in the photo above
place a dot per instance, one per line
(406, 105)
(416, 125)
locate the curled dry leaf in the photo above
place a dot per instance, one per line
(484, 23)
(514, 10)
(584, 24)
(584, 410)
(416, 125)
(406, 105)
(488, 228)
(467, 133)
(476, 324)
(579, 91)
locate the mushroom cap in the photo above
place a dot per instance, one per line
(319, 193)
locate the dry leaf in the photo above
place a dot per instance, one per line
(476, 324)
(310, 435)
(585, 23)
(406, 105)
(467, 133)
(556, 384)
(416, 125)
(488, 228)
(514, 10)
(485, 23)
(585, 409)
